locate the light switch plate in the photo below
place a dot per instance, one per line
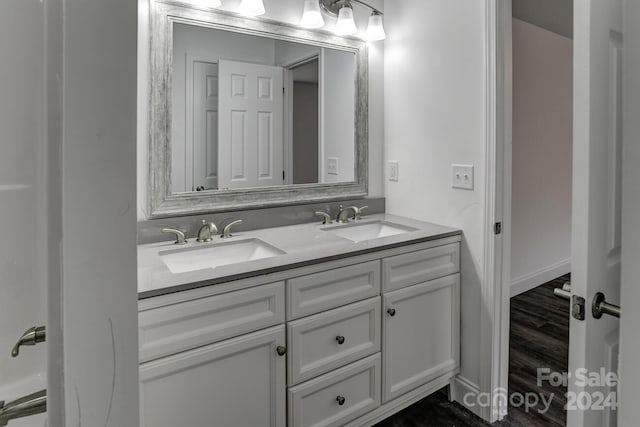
(462, 177)
(394, 171)
(333, 167)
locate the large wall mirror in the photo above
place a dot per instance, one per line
(249, 113)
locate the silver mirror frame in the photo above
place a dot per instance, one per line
(164, 203)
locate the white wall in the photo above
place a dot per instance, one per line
(338, 117)
(99, 294)
(289, 11)
(542, 155)
(434, 116)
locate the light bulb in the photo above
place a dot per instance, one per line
(346, 25)
(375, 30)
(311, 17)
(251, 8)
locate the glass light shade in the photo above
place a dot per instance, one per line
(208, 3)
(311, 17)
(375, 30)
(251, 7)
(346, 24)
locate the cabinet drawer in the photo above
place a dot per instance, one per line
(173, 328)
(332, 339)
(317, 402)
(333, 288)
(421, 266)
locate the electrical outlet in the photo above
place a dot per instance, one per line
(462, 177)
(394, 171)
(333, 166)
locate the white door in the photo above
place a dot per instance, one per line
(630, 321)
(205, 126)
(596, 234)
(250, 135)
(22, 200)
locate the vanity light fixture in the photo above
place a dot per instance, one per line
(208, 3)
(342, 9)
(251, 8)
(312, 17)
(346, 25)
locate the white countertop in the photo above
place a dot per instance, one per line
(303, 243)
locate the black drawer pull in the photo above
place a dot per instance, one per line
(340, 339)
(392, 312)
(340, 400)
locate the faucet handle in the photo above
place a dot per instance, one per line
(226, 231)
(180, 239)
(326, 217)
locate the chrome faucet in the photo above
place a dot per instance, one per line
(226, 231)
(35, 403)
(32, 336)
(180, 239)
(326, 218)
(206, 232)
(343, 214)
(357, 212)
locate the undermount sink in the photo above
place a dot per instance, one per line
(217, 255)
(358, 232)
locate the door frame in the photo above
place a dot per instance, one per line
(288, 83)
(496, 280)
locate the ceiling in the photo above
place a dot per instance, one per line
(552, 15)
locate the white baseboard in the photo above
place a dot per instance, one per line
(461, 387)
(532, 280)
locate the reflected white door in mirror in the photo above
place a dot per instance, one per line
(249, 113)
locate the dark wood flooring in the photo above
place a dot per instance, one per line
(539, 339)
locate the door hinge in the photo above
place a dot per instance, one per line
(497, 228)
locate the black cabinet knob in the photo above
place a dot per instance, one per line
(340, 400)
(392, 312)
(340, 339)
(281, 350)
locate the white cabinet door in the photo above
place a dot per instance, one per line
(239, 382)
(250, 130)
(420, 334)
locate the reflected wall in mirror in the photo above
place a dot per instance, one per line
(250, 113)
(246, 111)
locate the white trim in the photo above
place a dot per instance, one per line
(539, 277)
(494, 318)
(461, 387)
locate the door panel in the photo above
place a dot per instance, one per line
(250, 134)
(596, 194)
(205, 126)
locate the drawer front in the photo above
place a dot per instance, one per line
(333, 339)
(317, 402)
(185, 325)
(333, 288)
(418, 267)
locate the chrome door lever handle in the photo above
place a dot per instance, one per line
(32, 336)
(562, 293)
(600, 306)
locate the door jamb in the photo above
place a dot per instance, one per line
(496, 293)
